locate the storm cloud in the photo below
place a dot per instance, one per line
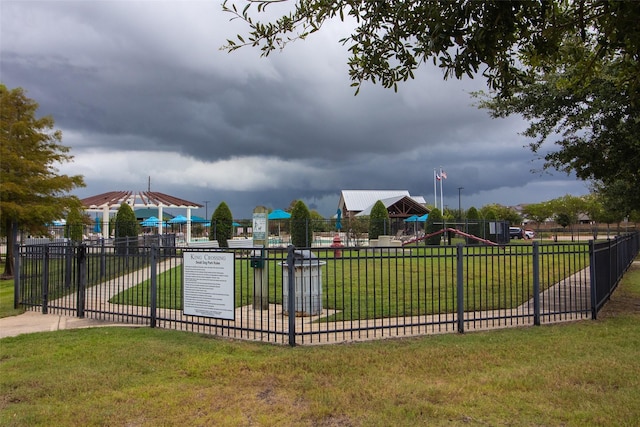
(142, 90)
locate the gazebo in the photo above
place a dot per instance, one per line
(112, 200)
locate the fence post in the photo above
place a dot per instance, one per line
(291, 302)
(610, 265)
(16, 274)
(592, 280)
(68, 264)
(460, 288)
(82, 280)
(45, 279)
(154, 284)
(103, 258)
(536, 283)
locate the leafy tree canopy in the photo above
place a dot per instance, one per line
(505, 41)
(567, 210)
(33, 193)
(538, 212)
(571, 68)
(500, 212)
(594, 126)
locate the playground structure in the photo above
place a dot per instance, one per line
(450, 230)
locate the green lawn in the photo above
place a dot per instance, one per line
(575, 374)
(6, 299)
(362, 285)
(62, 272)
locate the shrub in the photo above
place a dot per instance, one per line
(474, 227)
(378, 220)
(434, 223)
(301, 232)
(221, 225)
(126, 227)
(75, 225)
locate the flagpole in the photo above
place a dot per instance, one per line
(435, 190)
(441, 199)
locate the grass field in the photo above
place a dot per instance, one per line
(6, 299)
(576, 374)
(422, 282)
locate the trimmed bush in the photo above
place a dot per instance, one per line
(474, 227)
(221, 225)
(75, 225)
(378, 220)
(434, 223)
(126, 229)
(301, 232)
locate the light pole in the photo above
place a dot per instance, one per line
(459, 202)
(206, 209)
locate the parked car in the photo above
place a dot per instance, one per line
(529, 234)
(516, 233)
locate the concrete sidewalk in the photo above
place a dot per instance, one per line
(31, 321)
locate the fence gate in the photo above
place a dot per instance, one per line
(48, 276)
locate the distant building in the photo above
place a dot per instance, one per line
(399, 203)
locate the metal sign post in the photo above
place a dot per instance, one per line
(258, 261)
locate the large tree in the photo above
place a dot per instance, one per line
(505, 41)
(33, 192)
(570, 67)
(595, 126)
(567, 210)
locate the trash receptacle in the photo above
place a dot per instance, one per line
(308, 284)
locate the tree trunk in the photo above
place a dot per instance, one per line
(11, 241)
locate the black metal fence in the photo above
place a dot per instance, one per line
(325, 295)
(609, 260)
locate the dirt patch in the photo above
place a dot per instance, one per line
(334, 421)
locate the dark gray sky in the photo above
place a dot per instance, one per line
(141, 89)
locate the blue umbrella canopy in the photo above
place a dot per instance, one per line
(279, 214)
(339, 219)
(423, 218)
(180, 219)
(235, 224)
(412, 218)
(96, 226)
(152, 221)
(199, 220)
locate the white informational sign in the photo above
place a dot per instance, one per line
(208, 284)
(259, 226)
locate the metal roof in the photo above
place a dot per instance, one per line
(400, 206)
(142, 199)
(360, 200)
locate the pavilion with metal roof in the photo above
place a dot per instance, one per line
(112, 200)
(399, 203)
